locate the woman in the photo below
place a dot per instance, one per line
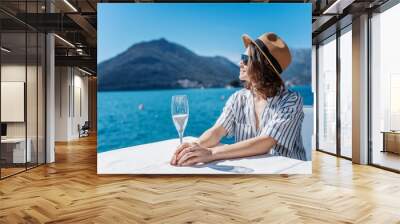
(265, 117)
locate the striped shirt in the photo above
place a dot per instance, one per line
(281, 119)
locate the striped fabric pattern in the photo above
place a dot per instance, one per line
(281, 119)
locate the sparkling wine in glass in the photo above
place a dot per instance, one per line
(180, 113)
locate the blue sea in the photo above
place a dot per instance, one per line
(121, 123)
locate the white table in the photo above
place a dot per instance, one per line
(18, 149)
(154, 158)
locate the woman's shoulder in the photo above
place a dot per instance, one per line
(239, 97)
(293, 94)
(290, 97)
(241, 93)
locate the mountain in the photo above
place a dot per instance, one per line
(299, 71)
(160, 64)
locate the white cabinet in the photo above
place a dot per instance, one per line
(19, 154)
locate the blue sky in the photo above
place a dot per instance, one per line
(207, 29)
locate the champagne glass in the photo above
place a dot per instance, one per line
(180, 113)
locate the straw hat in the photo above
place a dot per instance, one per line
(273, 48)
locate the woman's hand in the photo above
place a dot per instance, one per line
(178, 152)
(190, 153)
(194, 154)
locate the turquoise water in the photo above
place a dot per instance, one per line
(122, 124)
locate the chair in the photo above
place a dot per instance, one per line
(84, 130)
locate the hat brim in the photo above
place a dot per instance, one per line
(246, 40)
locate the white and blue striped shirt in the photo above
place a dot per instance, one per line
(281, 119)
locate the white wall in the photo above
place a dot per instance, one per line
(79, 117)
(70, 83)
(13, 100)
(62, 81)
(33, 126)
(12, 73)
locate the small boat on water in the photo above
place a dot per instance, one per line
(141, 106)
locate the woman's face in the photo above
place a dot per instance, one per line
(243, 68)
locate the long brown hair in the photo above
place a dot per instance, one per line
(263, 78)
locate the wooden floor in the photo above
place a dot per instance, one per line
(9, 171)
(70, 191)
(5, 172)
(387, 159)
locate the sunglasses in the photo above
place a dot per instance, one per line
(245, 59)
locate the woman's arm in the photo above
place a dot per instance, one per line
(250, 147)
(212, 136)
(209, 138)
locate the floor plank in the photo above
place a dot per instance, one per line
(70, 191)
